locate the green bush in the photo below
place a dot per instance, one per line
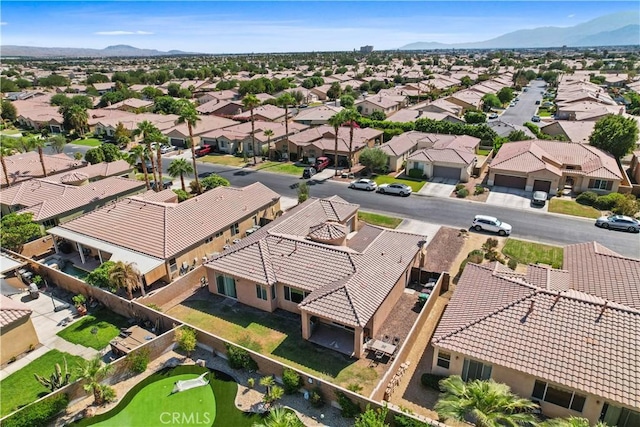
(432, 381)
(182, 195)
(415, 173)
(459, 187)
(629, 206)
(291, 381)
(404, 421)
(512, 263)
(100, 276)
(316, 398)
(587, 198)
(479, 190)
(462, 193)
(39, 414)
(608, 202)
(239, 358)
(138, 360)
(349, 408)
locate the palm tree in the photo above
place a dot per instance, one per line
(159, 139)
(251, 101)
(285, 100)
(94, 371)
(139, 152)
(268, 133)
(268, 382)
(178, 168)
(189, 115)
(57, 142)
(126, 275)
(147, 130)
(336, 121)
(30, 143)
(76, 117)
(485, 403)
(7, 148)
(280, 417)
(350, 116)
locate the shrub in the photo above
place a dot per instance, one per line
(291, 381)
(100, 276)
(138, 361)
(251, 382)
(476, 257)
(239, 358)
(459, 187)
(608, 202)
(349, 408)
(354, 387)
(629, 205)
(463, 264)
(479, 190)
(512, 263)
(587, 198)
(316, 398)
(415, 173)
(405, 421)
(490, 244)
(39, 414)
(155, 307)
(186, 339)
(194, 187)
(432, 381)
(462, 193)
(182, 195)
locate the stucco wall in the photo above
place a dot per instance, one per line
(16, 339)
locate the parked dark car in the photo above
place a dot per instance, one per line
(322, 163)
(165, 184)
(204, 150)
(308, 173)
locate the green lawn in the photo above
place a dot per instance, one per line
(89, 142)
(533, 253)
(571, 207)
(224, 159)
(381, 220)
(10, 132)
(21, 388)
(276, 336)
(103, 322)
(544, 113)
(481, 152)
(388, 179)
(278, 167)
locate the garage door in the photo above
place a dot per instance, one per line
(445, 172)
(510, 181)
(176, 142)
(541, 185)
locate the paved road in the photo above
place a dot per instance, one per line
(526, 107)
(542, 227)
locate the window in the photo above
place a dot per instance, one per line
(261, 292)
(600, 184)
(49, 223)
(226, 285)
(472, 370)
(620, 417)
(208, 239)
(557, 396)
(273, 292)
(235, 229)
(218, 234)
(294, 295)
(444, 359)
(172, 265)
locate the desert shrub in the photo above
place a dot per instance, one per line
(349, 408)
(138, 360)
(462, 193)
(512, 263)
(459, 187)
(316, 398)
(186, 339)
(239, 358)
(39, 414)
(490, 244)
(182, 195)
(629, 205)
(405, 421)
(354, 387)
(479, 190)
(432, 381)
(476, 258)
(291, 381)
(196, 188)
(608, 202)
(587, 198)
(415, 173)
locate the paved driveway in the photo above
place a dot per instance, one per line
(419, 227)
(438, 187)
(513, 198)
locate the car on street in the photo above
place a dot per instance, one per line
(167, 149)
(491, 223)
(538, 102)
(204, 150)
(493, 116)
(395, 188)
(619, 222)
(364, 184)
(308, 172)
(539, 198)
(535, 119)
(513, 104)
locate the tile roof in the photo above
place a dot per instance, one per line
(569, 337)
(160, 229)
(11, 311)
(445, 155)
(320, 113)
(24, 166)
(574, 130)
(98, 170)
(268, 111)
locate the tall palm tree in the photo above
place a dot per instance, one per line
(268, 133)
(126, 275)
(159, 139)
(30, 143)
(76, 117)
(485, 403)
(178, 168)
(94, 371)
(139, 153)
(251, 101)
(188, 114)
(7, 148)
(336, 121)
(285, 100)
(147, 130)
(350, 116)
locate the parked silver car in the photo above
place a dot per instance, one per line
(395, 188)
(619, 222)
(491, 223)
(539, 198)
(364, 184)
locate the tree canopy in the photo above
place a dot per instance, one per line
(373, 158)
(213, 181)
(18, 229)
(616, 135)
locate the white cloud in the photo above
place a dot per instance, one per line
(123, 33)
(571, 16)
(3, 23)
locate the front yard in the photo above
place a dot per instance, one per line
(279, 167)
(388, 179)
(533, 253)
(224, 159)
(381, 220)
(21, 388)
(89, 142)
(94, 330)
(571, 207)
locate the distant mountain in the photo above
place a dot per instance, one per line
(49, 52)
(609, 30)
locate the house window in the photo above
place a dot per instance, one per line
(294, 295)
(235, 229)
(226, 285)
(49, 223)
(218, 234)
(600, 184)
(620, 417)
(444, 359)
(564, 398)
(273, 292)
(261, 292)
(418, 165)
(172, 265)
(208, 239)
(473, 370)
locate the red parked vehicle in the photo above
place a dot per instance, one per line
(322, 163)
(204, 150)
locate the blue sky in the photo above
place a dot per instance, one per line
(280, 26)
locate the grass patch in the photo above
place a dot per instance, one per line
(544, 113)
(387, 179)
(10, 132)
(278, 167)
(107, 326)
(481, 152)
(571, 207)
(224, 159)
(381, 220)
(21, 388)
(89, 142)
(533, 253)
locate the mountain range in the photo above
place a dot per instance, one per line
(617, 29)
(52, 52)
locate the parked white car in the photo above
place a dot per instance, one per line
(167, 149)
(395, 188)
(491, 223)
(619, 222)
(364, 184)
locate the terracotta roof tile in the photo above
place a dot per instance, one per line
(11, 311)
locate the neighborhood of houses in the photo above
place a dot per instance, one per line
(391, 303)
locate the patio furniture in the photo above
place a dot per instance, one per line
(382, 347)
(423, 297)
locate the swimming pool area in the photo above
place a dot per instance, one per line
(72, 270)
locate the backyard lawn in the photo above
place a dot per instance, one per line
(21, 388)
(381, 220)
(276, 336)
(482, 152)
(388, 179)
(89, 142)
(533, 253)
(571, 207)
(224, 159)
(278, 167)
(95, 330)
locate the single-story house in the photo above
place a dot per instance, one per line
(552, 166)
(132, 105)
(635, 166)
(566, 339)
(316, 116)
(220, 108)
(445, 156)
(467, 99)
(310, 263)
(385, 104)
(400, 147)
(25, 166)
(573, 131)
(442, 106)
(103, 88)
(265, 113)
(504, 129)
(17, 334)
(586, 110)
(220, 95)
(179, 135)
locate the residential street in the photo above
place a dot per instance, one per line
(526, 107)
